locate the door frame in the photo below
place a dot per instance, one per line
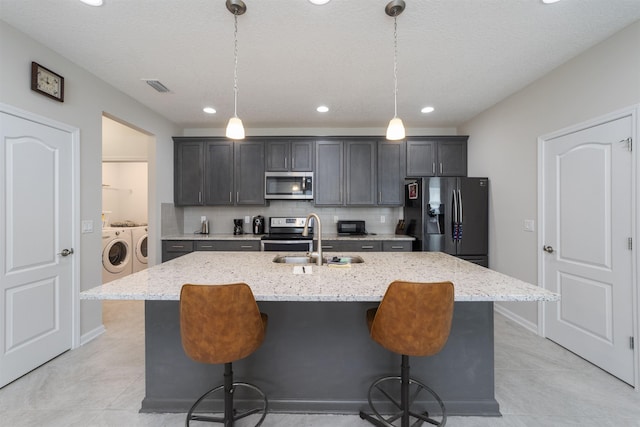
(634, 112)
(75, 209)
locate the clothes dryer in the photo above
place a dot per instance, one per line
(139, 237)
(117, 253)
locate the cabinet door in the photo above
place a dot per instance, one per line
(421, 158)
(277, 155)
(219, 173)
(188, 178)
(329, 175)
(452, 158)
(302, 156)
(361, 173)
(175, 248)
(249, 173)
(391, 173)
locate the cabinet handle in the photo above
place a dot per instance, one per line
(293, 163)
(379, 196)
(229, 196)
(246, 247)
(177, 246)
(327, 247)
(237, 196)
(199, 196)
(397, 247)
(440, 168)
(285, 162)
(367, 246)
(206, 246)
(433, 168)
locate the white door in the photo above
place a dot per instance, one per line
(35, 230)
(587, 258)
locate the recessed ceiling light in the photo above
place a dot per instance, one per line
(427, 110)
(209, 110)
(92, 2)
(322, 109)
(550, 1)
(319, 2)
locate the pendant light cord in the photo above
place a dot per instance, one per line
(235, 66)
(395, 67)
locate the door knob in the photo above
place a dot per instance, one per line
(548, 249)
(66, 252)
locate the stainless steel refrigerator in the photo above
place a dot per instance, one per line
(449, 215)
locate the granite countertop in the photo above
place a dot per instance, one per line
(325, 236)
(277, 282)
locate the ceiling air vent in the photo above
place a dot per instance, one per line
(157, 85)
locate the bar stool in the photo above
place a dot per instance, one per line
(222, 324)
(413, 319)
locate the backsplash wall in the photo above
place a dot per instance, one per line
(221, 218)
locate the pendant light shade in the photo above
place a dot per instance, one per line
(235, 130)
(395, 131)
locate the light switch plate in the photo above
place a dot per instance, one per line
(529, 225)
(87, 226)
(247, 219)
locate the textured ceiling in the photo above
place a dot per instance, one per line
(460, 56)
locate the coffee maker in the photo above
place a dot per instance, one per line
(237, 226)
(258, 224)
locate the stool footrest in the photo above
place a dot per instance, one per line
(228, 419)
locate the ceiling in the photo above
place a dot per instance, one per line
(459, 56)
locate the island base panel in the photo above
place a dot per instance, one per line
(317, 357)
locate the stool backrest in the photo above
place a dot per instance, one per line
(414, 319)
(219, 323)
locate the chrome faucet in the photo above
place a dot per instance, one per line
(317, 232)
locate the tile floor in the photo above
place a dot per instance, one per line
(102, 383)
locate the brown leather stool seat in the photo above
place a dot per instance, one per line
(221, 324)
(413, 319)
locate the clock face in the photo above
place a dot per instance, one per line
(48, 83)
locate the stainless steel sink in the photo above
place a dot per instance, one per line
(302, 259)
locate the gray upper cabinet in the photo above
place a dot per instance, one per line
(361, 173)
(249, 172)
(289, 156)
(437, 156)
(218, 172)
(329, 174)
(391, 173)
(188, 177)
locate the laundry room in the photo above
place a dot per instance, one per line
(124, 199)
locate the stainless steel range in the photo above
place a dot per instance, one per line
(285, 235)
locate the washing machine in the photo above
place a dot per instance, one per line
(117, 253)
(139, 237)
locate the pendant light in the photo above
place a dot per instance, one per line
(395, 131)
(235, 130)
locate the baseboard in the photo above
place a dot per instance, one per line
(533, 327)
(91, 335)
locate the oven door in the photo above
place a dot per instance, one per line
(286, 245)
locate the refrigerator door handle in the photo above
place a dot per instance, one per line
(460, 218)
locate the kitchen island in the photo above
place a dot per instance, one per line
(317, 355)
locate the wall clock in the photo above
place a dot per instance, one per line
(47, 82)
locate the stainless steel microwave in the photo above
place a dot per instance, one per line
(288, 185)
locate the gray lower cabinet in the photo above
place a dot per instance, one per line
(175, 248)
(365, 245)
(437, 156)
(228, 245)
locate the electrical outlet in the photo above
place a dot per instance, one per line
(529, 225)
(247, 219)
(382, 219)
(335, 219)
(203, 218)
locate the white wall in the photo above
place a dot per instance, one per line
(124, 191)
(86, 99)
(503, 144)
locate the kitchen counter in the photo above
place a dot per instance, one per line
(364, 282)
(317, 356)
